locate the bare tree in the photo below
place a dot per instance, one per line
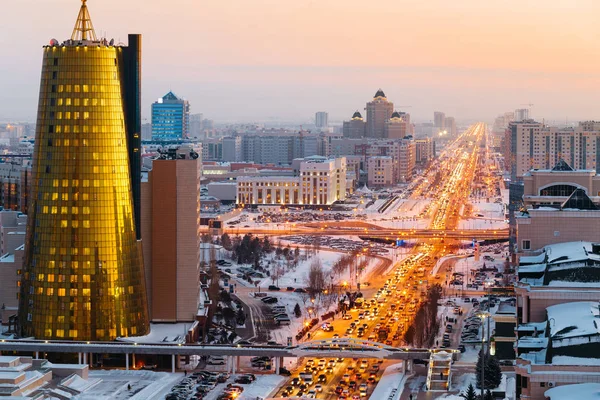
(316, 279)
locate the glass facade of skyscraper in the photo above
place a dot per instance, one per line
(170, 118)
(83, 273)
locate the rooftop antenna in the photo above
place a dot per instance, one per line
(84, 30)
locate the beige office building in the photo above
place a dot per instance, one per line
(379, 110)
(380, 171)
(397, 127)
(356, 128)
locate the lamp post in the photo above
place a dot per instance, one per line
(483, 315)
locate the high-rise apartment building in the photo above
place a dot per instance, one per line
(356, 127)
(402, 151)
(171, 223)
(321, 119)
(425, 150)
(83, 274)
(531, 145)
(196, 125)
(450, 126)
(521, 114)
(379, 110)
(170, 118)
(232, 149)
(439, 120)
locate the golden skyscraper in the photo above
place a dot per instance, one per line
(83, 276)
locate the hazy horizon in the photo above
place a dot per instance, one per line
(266, 59)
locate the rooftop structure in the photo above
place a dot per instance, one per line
(558, 203)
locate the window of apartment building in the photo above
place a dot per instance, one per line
(526, 245)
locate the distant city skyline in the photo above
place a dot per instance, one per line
(267, 61)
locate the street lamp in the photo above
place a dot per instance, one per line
(483, 315)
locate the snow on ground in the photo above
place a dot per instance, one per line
(487, 216)
(144, 385)
(262, 387)
(461, 385)
(482, 223)
(296, 277)
(391, 383)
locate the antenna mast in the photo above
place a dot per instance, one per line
(84, 30)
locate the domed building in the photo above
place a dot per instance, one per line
(379, 110)
(356, 127)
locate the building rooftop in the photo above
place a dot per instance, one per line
(573, 319)
(562, 253)
(581, 391)
(379, 93)
(161, 333)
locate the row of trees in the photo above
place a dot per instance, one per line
(424, 328)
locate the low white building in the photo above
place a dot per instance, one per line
(319, 181)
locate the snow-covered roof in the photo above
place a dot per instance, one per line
(529, 342)
(568, 360)
(569, 252)
(532, 326)
(573, 319)
(532, 268)
(568, 284)
(535, 357)
(580, 391)
(161, 333)
(537, 259)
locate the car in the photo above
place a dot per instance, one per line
(319, 387)
(339, 390)
(273, 287)
(347, 317)
(295, 381)
(322, 378)
(290, 289)
(461, 348)
(312, 394)
(299, 290)
(216, 360)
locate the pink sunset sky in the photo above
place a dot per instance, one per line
(259, 60)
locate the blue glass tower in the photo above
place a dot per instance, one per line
(170, 118)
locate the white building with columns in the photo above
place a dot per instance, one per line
(317, 181)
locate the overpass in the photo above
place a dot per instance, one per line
(391, 234)
(347, 347)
